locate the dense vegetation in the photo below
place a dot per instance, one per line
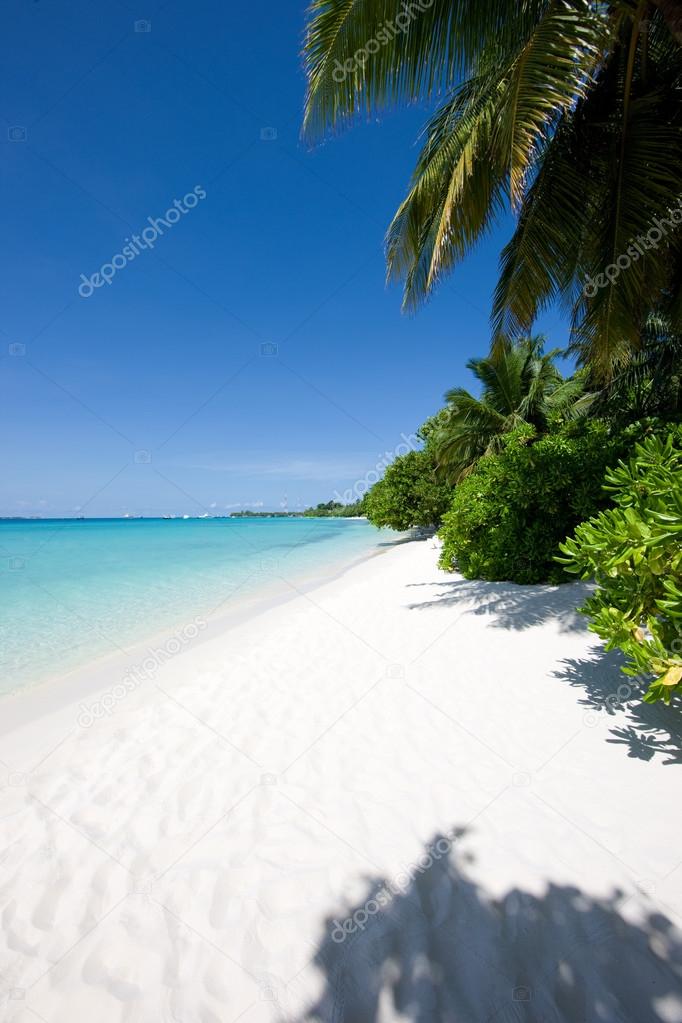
(634, 552)
(509, 515)
(410, 493)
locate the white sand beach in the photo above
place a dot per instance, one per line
(400, 796)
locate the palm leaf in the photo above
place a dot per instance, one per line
(432, 219)
(431, 52)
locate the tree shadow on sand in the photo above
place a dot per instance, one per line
(510, 605)
(646, 730)
(442, 951)
(419, 535)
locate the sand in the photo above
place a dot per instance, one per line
(399, 796)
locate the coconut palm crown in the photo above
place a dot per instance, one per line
(520, 384)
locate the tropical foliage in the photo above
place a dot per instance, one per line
(409, 494)
(520, 384)
(509, 515)
(567, 111)
(634, 551)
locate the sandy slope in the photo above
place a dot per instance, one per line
(207, 851)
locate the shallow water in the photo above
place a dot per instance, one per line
(72, 590)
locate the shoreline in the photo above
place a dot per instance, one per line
(28, 703)
(198, 588)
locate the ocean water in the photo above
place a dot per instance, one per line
(72, 590)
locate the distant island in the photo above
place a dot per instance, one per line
(336, 510)
(328, 509)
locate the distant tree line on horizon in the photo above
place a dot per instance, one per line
(335, 510)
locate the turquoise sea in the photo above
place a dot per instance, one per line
(72, 590)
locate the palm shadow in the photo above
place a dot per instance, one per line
(645, 730)
(442, 951)
(510, 605)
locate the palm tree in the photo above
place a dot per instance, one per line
(566, 111)
(520, 384)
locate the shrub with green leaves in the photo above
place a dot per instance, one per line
(634, 552)
(509, 515)
(409, 494)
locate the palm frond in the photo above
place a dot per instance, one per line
(481, 143)
(364, 54)
(433, 228)
(626, 252)
(551, 73)
(539, 262)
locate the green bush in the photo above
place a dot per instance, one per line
(634, 552)
(409, 494)
(510, 513)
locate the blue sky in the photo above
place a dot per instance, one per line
(153, 394)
